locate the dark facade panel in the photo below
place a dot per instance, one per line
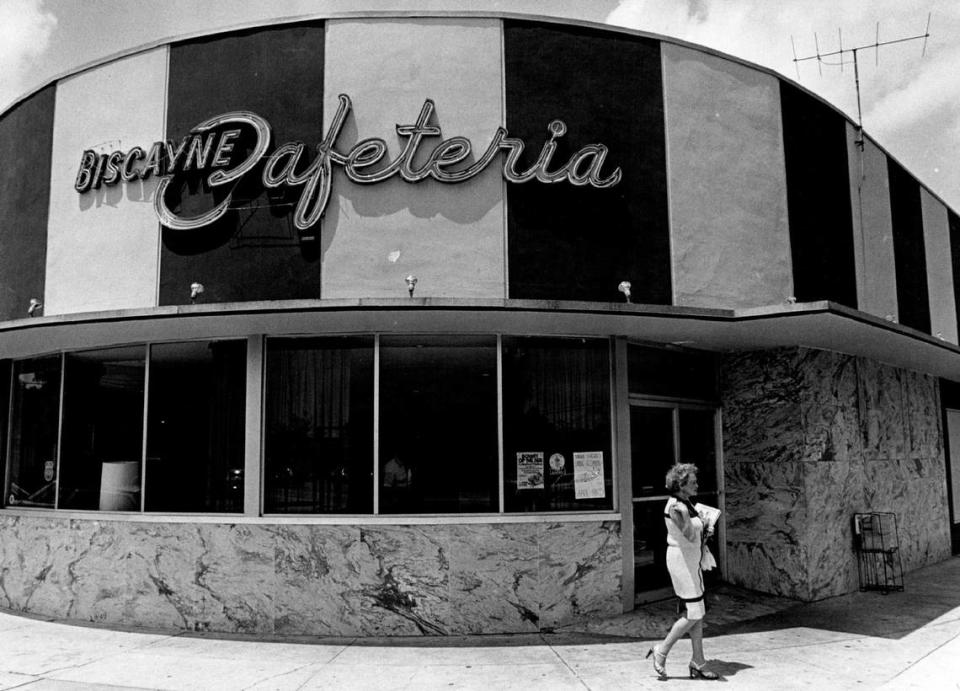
(954, 224)
(913, 297)
(255, 252)
(26, 143)
(818, 199)
(578, 243)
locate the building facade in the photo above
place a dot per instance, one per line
(301, 336)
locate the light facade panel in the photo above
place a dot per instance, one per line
(102, 244)
(450, 236)
(728, 204)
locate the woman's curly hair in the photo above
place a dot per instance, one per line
(678, 474)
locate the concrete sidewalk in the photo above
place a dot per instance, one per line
(908, 640)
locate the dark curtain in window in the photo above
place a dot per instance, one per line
(556, 401)
(196, 427)
(438, 424)
(319, 426)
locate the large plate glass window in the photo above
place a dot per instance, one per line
(438, 424)
(102, 436)
(556, 424)
(195, 427)
(318, 426)
(32, 441)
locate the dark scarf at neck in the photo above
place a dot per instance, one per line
(687, 503)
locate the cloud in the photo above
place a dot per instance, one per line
(936, 87)
(25, 31)
(766, 33)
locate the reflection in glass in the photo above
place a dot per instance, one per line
(34, 417)
(102, 437)
(652, 449)
(556, 403)
(673, 373)
(438, 424)
(195, 430)
(319, 426)
(698, 446)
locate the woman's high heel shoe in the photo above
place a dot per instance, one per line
(698, 672)
(659, 661)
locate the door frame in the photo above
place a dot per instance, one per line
(948, 452)
(675, 404)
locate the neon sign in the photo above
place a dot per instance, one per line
(210, 144)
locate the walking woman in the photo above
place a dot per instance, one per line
(685, 543)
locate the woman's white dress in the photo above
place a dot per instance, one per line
(683, 555)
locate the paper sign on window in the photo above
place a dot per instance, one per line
(530, 470)
(588, 475)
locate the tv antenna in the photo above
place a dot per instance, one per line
(841, 52)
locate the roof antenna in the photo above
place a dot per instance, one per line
(841, 52)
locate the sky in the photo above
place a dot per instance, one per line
(910, 91)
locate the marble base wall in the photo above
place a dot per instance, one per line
(812, 437)
(312, 579)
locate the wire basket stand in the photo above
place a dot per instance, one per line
(878, 552)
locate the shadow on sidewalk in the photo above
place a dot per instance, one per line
(930, 593)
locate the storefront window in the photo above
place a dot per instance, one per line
(102, 438)
(556, 424)
(34, 418)
(319, 426)
(438, 424)
(195, 428)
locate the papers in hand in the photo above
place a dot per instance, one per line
(709, 515)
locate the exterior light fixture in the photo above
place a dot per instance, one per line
(195, 290)
(35, 305)
(411, 283)
(624, 288)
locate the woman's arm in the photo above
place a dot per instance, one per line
(679, 514)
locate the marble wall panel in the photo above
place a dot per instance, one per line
(401, 595)
(828, 407)
(318, 569)
(871, 440)
(494, 576)
(312, 579)
(761, 412)
(37, 579)
(580, 569)
(834, 492)
(881, 411)
(922, 416)
(917, 496)
(753, 565)
(765, 519)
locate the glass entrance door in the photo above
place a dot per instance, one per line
(953, 475)
(661, 434)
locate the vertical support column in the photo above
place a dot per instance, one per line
(623, 468)
(500, 460)
(148, 352)
(252, 495)
(376, 424)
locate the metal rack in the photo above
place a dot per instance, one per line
(878, 552)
